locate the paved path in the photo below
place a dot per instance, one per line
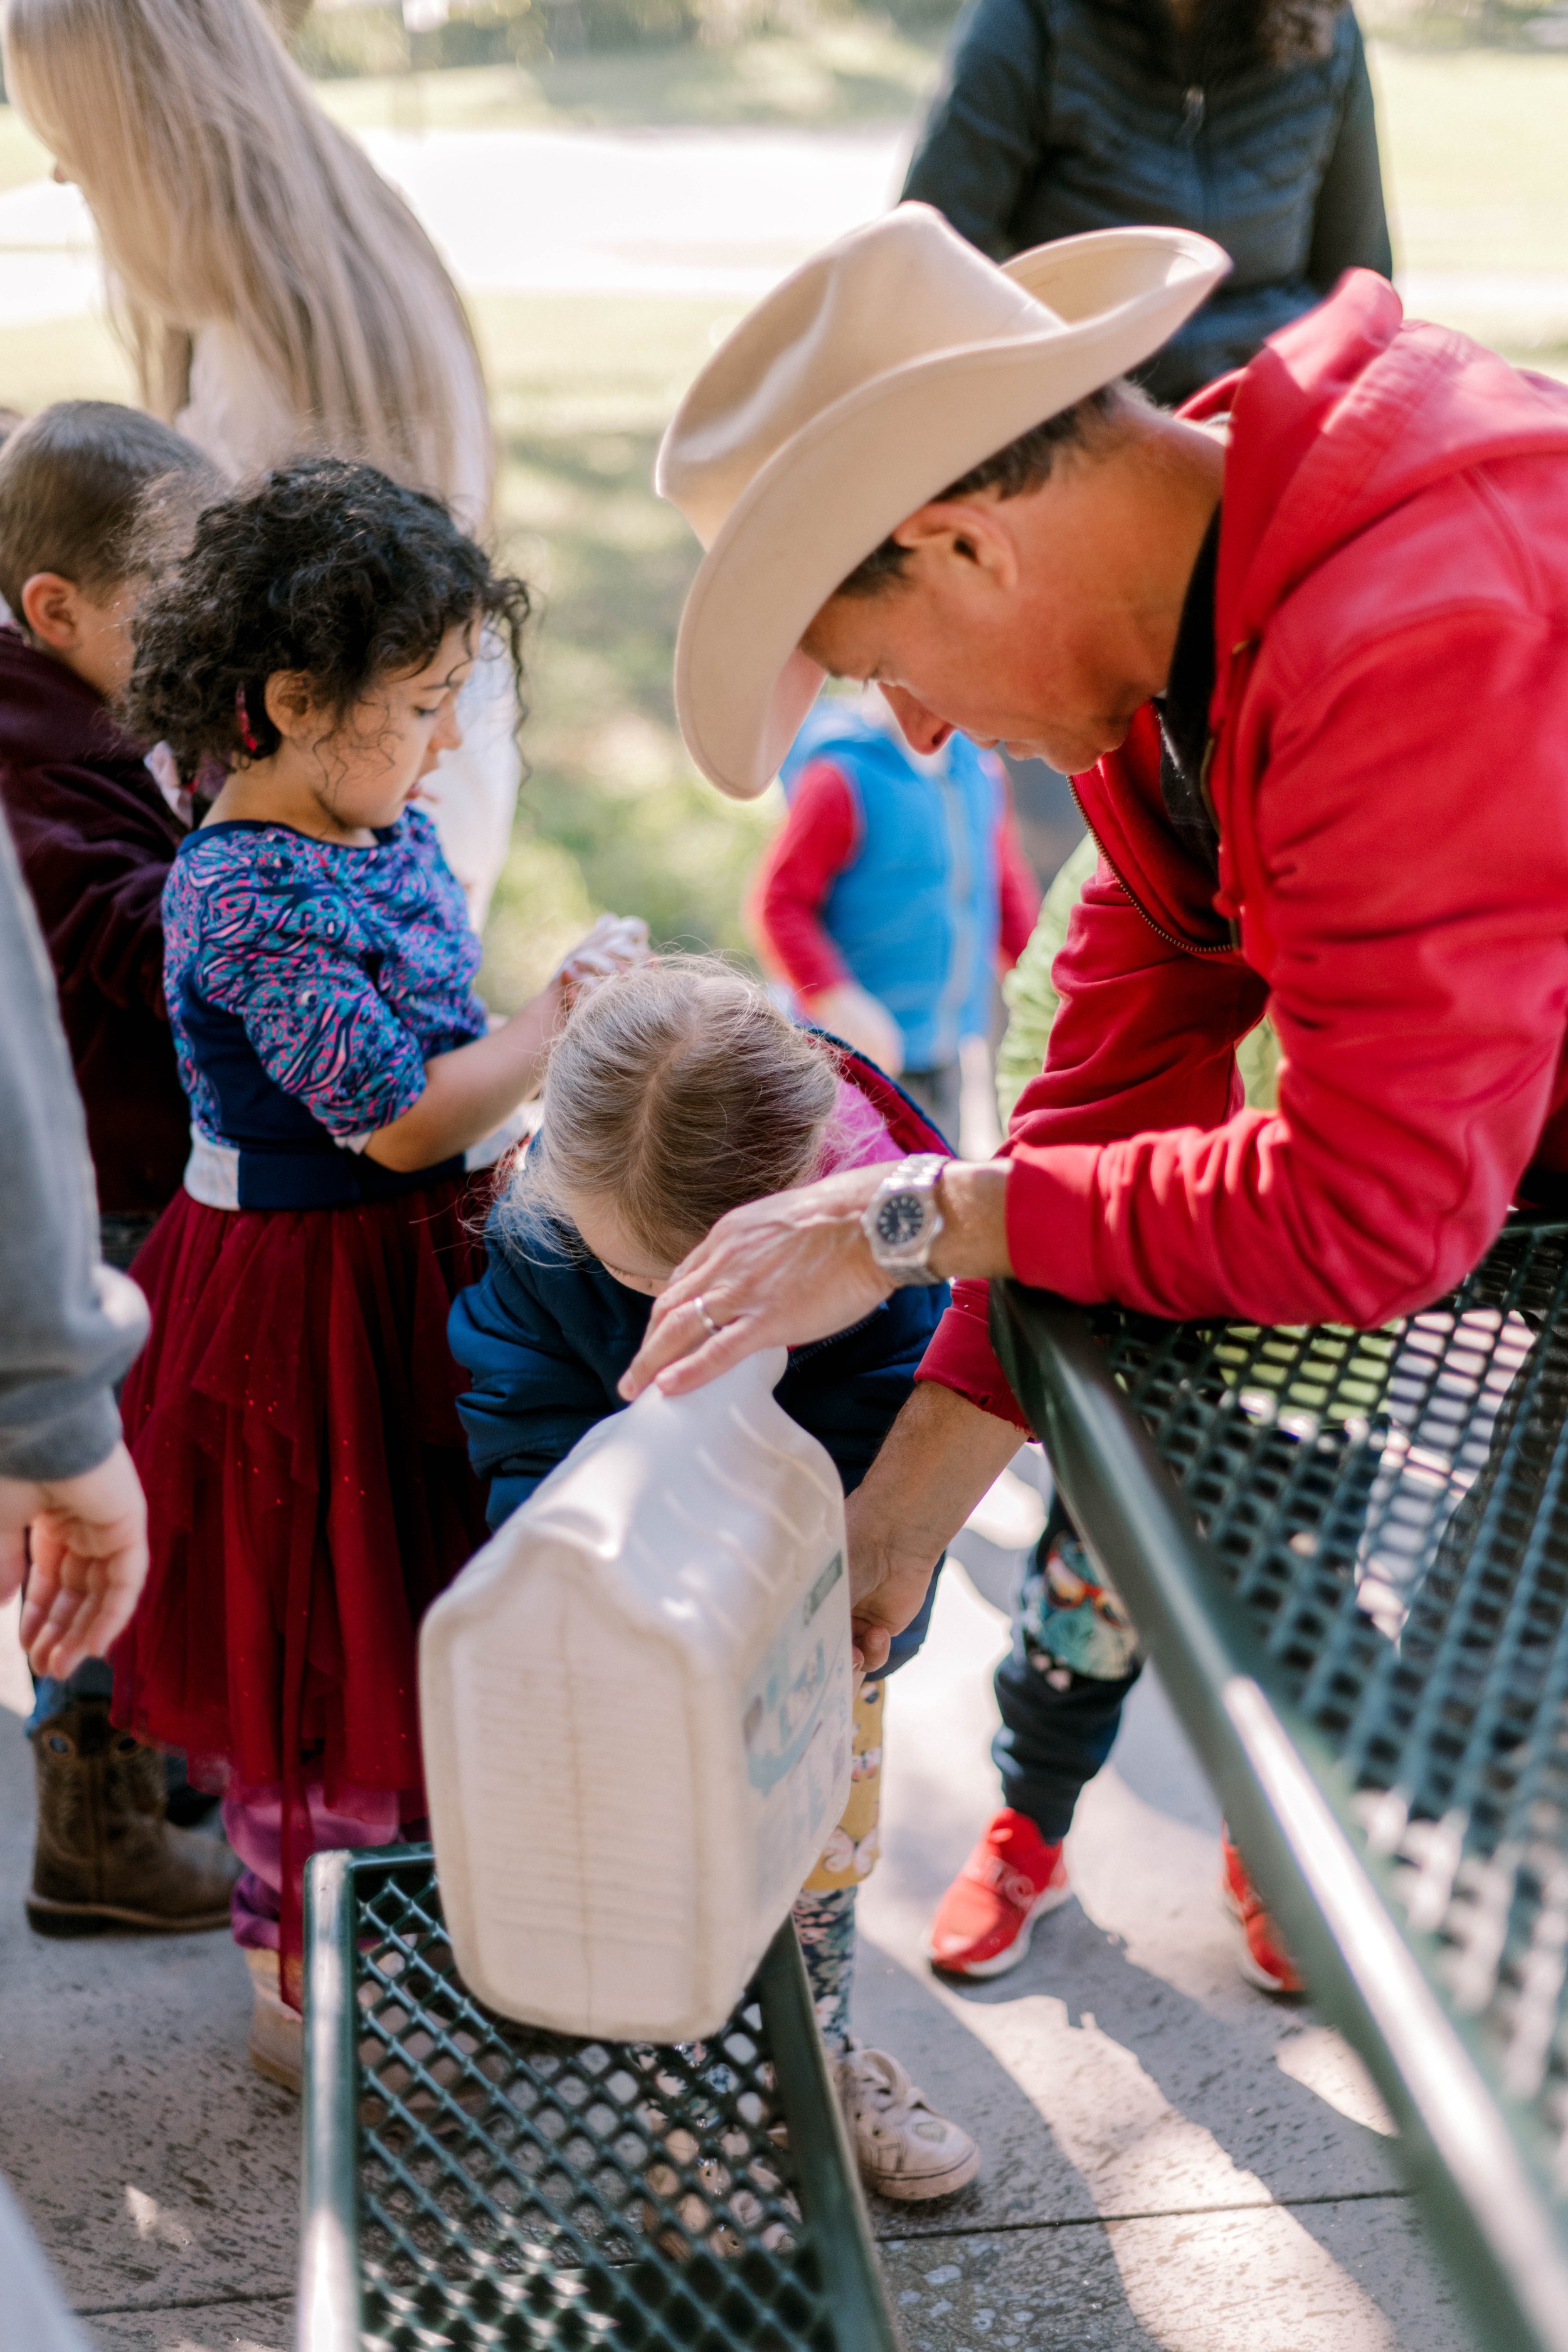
(720, 214)
(159, 2172)
(1171, 2160)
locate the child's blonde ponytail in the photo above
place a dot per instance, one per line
(676, 1092)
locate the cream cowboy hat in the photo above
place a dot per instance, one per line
(879, 371)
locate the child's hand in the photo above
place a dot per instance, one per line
(880, 1609)
(616, 943)
(862, 1021)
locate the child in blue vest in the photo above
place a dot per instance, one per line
(895, 893)
(672, 1095)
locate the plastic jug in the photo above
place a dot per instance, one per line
(636, 1706)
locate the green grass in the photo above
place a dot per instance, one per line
(69, 359)
(1472, 149)
(613, 814)
(1473, 153)
(860, 72)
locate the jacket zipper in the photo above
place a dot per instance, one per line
(1187, 946)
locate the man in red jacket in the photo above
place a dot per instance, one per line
(1305, 647)
(96, 829)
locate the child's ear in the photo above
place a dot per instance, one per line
(51, 611)
(291, 704)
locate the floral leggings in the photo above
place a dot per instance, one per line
(825, 1909)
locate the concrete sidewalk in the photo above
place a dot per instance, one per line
(1172, 2159)
(160, 2174)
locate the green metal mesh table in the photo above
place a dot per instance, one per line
(1348, 1556)
(472, 2182)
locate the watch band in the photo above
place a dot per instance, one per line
(901, 1220)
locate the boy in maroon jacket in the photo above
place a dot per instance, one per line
(84, 486)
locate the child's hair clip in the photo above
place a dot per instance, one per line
(246, 734)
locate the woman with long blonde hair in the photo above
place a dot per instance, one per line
(277, 296)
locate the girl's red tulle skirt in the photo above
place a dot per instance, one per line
(294, 1421)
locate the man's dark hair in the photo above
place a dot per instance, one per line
(77, 486)
(325, 567)
(1022, 465)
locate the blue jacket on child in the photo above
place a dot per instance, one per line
(547, 1333)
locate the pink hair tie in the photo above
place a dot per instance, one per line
(243, 715)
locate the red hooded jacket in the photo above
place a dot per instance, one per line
(1389, 775)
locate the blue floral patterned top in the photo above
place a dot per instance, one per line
(308, 984)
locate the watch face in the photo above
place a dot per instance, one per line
(900, 1220)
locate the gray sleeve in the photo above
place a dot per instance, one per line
(68, 1326)
(983, 140)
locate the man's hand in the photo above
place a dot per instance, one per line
(774, 1274)
(797, 1266)
(89, 1560)
(939, 1456)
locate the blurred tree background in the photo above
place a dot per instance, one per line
(378, 37)
(1471, 98)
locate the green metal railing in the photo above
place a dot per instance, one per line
(472, 2182)
(1347, 1554)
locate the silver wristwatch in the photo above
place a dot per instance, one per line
(901, 1220)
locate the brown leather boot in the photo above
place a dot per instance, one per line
(105, 1856)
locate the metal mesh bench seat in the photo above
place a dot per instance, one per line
(1348, 1556)
(473, 2182)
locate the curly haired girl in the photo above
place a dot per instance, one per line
(295, 1418)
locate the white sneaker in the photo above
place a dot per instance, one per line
(277, 2032)
(903, 2147)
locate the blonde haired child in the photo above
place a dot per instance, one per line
(672, 1095)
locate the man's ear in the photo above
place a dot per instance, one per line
(51, 611)
(969, 532)
(290, 702)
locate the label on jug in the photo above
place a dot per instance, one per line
(796, 1720)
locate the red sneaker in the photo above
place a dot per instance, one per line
(1264, 1960)
(983, 1922)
